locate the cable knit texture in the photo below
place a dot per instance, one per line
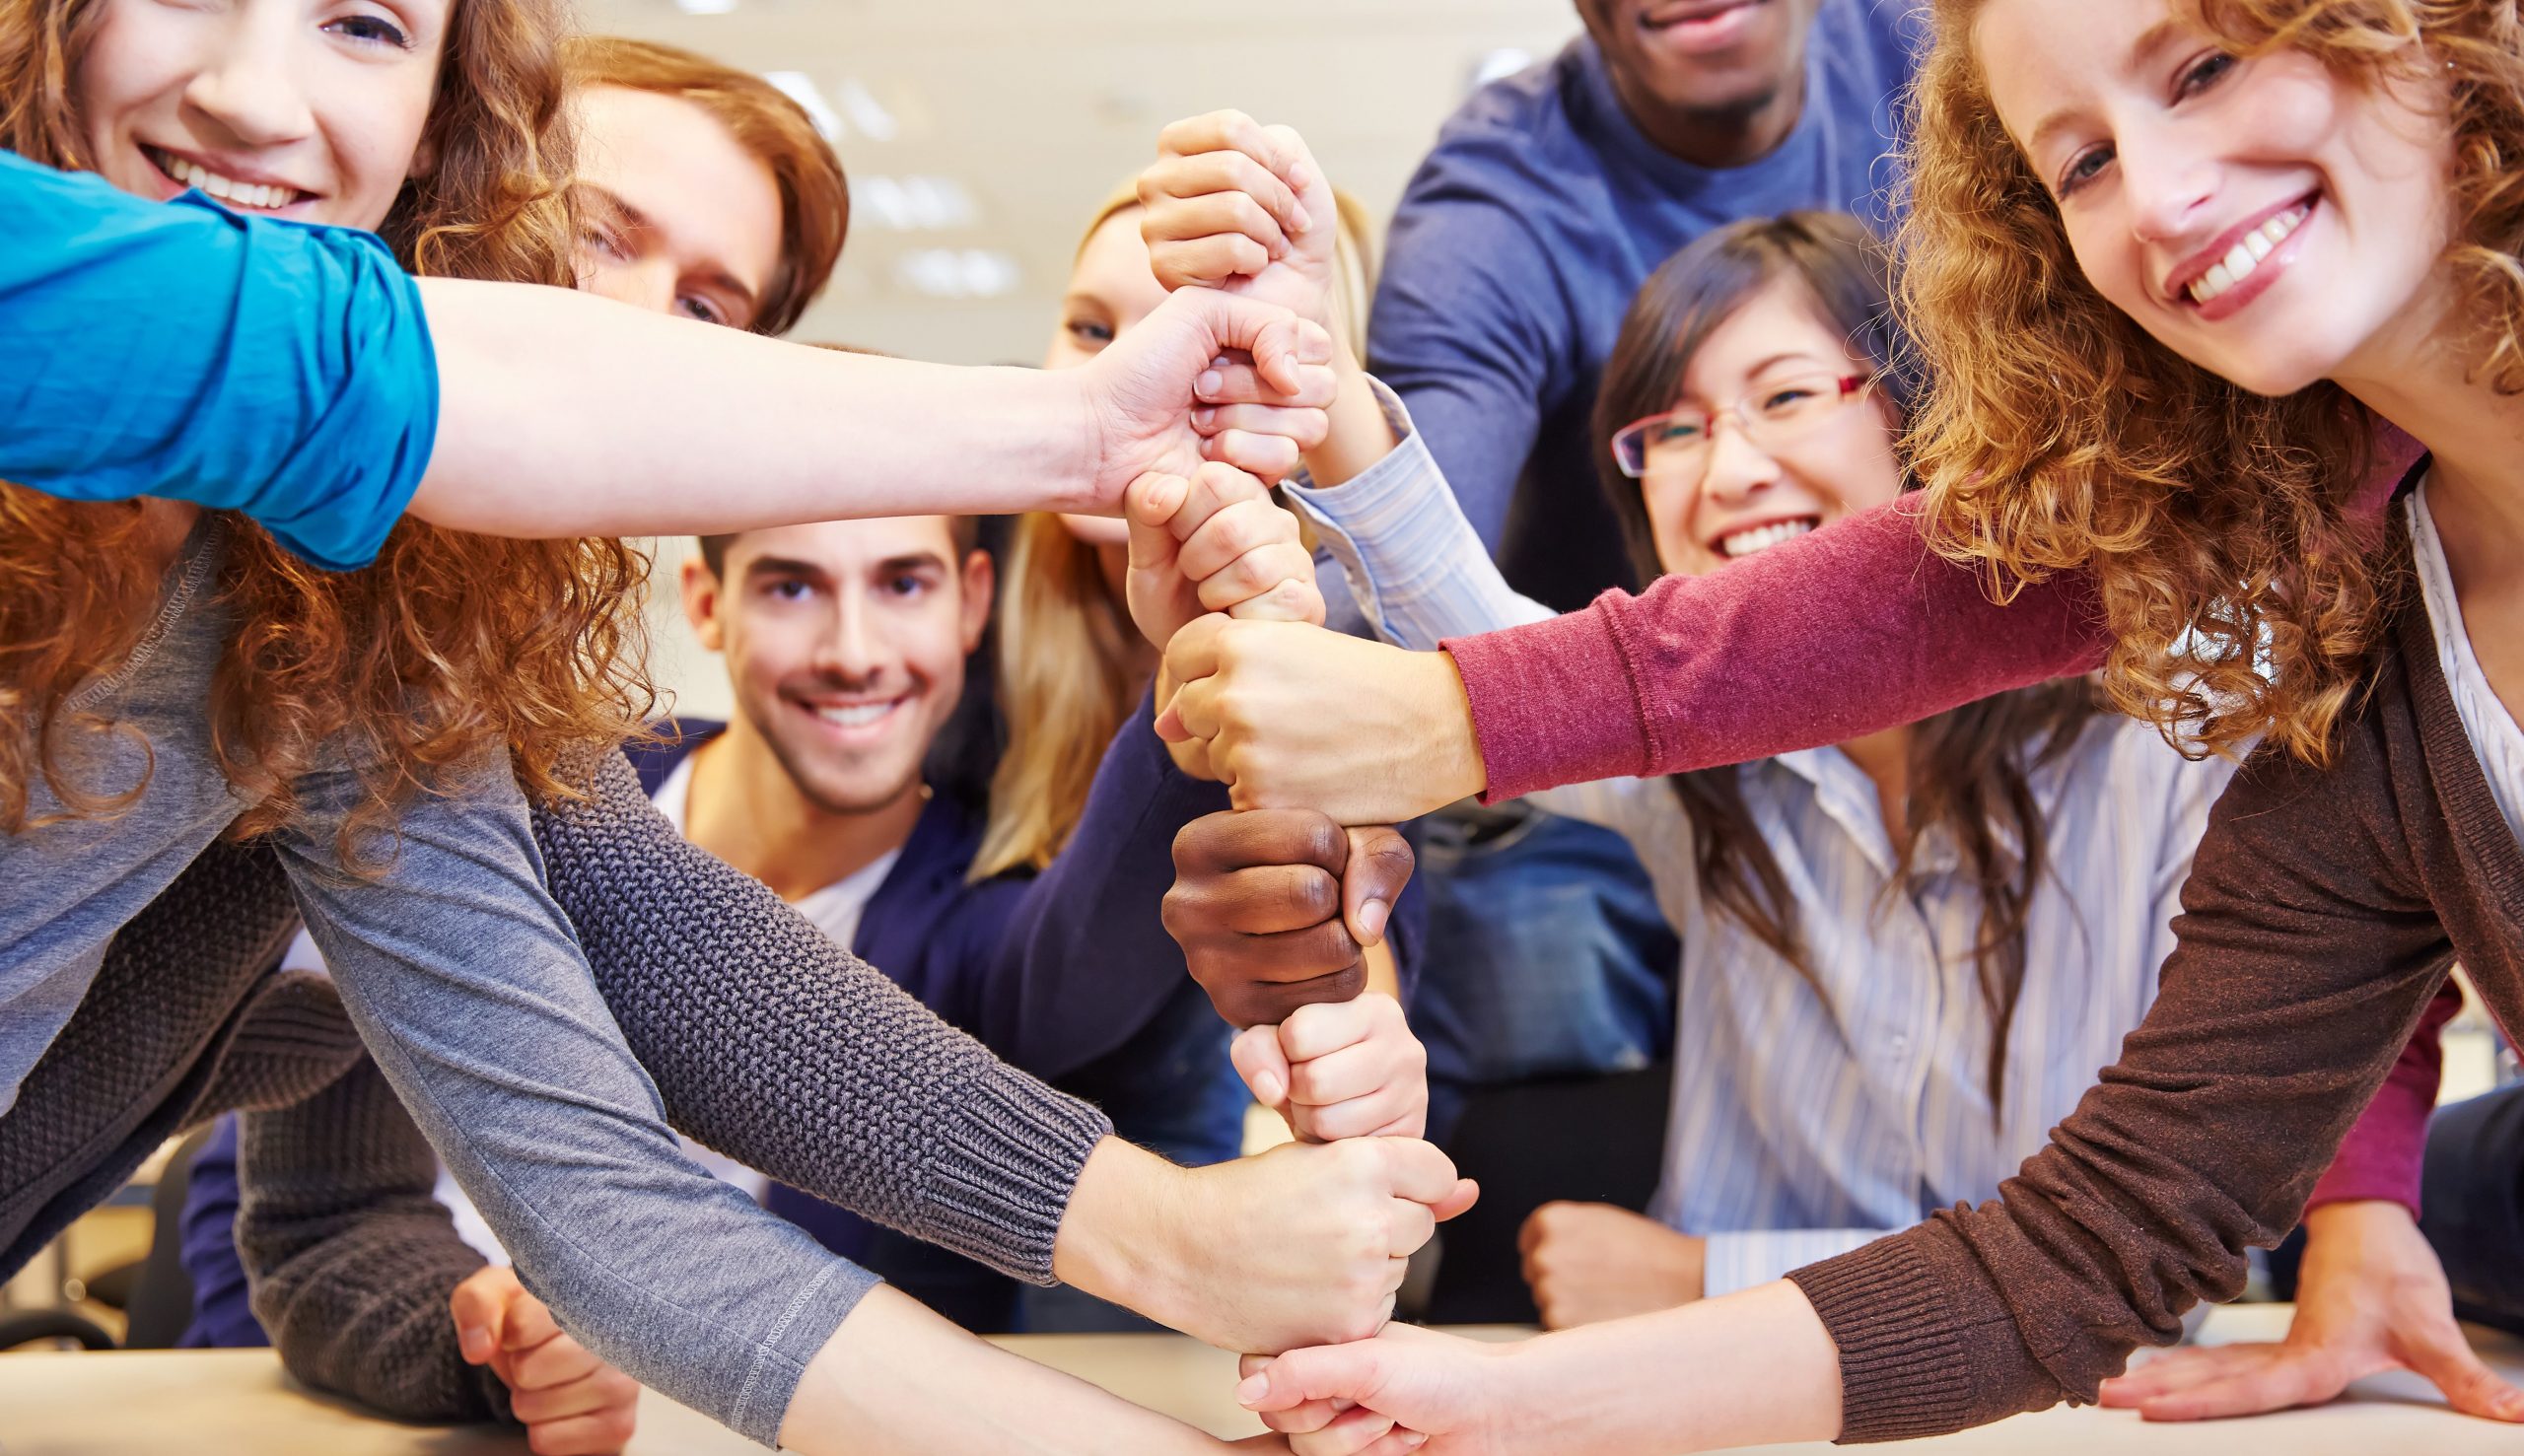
(183, 1022)
(352, 1255)
(778, 1048)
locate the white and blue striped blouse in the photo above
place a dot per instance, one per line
(1805, 1125)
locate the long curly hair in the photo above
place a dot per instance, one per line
(448, 644)
(1971, 769)
(2058, 436)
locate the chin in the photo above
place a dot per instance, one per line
(1098, 531)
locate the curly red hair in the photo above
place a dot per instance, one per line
(451, 644)
(2058, 436)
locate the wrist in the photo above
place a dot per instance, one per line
(2355, 1216)
(1455, 755)
(1117, 1238)
(1059, 427)
(1358, 434)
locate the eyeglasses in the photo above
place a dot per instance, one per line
(1777, 414)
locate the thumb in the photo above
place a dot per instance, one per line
(480, 1313)
(1151, 502)
(1379, 865)
(1459, 1198)
(1321, 1373)
(1263, 1066)
(2446, 1359)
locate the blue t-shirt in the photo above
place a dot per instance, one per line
(179, 350)
(1523, 237)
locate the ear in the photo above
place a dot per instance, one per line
(701, 602)
(981, 586)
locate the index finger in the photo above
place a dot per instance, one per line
(1193, 655)
(1228, 130)
(529, 1324)
(1251, 839)
(1420, 1172)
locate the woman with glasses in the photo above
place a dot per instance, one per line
(1904, 956)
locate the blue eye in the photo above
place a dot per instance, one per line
(2207, 73)
(790, 590)
(371, 29)
(2083, 168)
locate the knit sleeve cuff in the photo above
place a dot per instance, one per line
(1915, 1336)
(997, 1193)
(2381, 1158)
(1552, 703)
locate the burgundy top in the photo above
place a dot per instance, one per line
(1844, 632)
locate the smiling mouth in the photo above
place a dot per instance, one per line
(1741, 543)
(2248, 253)
(856, 714)
(1711, 23)
(241, 195)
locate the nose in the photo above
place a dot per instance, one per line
(1738, 469)
(643, 282)
(854, 651)
(2169, 179)
(248, 87)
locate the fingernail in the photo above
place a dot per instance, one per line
(1414, 1440)
(1372, 918)
(1300, 219)
(476, 1343)
(1249, 1393)
(1204, 415)
(1209, 383)
(1267, 1089)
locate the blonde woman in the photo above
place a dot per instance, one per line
(1070, 663)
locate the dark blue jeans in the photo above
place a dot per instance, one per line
(2472, 1203)
(1547, 956)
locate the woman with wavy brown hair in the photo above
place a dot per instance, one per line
(2180, 274)
(176, 682)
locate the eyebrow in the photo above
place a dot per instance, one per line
(785, 566)
(2153, 40)
(1791, 356)
(912, 560)
(637, 221)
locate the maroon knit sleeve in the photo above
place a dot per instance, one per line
(2307, 955)
(1854, 628)
(2384, 1152)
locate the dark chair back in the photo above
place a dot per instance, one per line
(1594, 1140)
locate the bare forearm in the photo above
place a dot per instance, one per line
(895, 1378)
(1746, 1369)
(560, 412)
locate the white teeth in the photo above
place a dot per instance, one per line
(856, 714)
(1762, 537)
(226, 188)
(2240, 260)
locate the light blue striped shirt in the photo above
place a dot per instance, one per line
(1806, 1125)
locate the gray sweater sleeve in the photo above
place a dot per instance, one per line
(774, 1046)
(350, 1256)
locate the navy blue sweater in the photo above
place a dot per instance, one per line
(1521, 239)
